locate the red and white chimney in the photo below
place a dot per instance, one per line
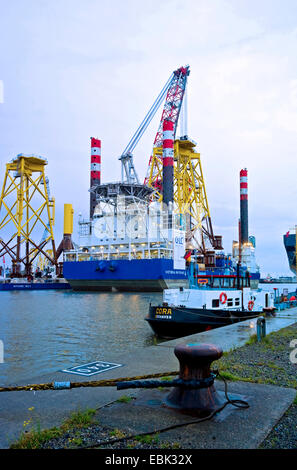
(168, 161)
(95, 178)
(244, 227)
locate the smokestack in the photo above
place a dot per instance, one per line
(244, 225)
(95, 171)
(66, 244)
(168, 169)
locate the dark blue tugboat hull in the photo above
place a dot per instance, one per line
(174, 322)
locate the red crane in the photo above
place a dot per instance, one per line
(171, 110)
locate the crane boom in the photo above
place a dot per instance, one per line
(128, 169)
(174, 90)
(146, 121)
(171, 110)
(189, 192)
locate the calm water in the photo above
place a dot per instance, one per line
(48, 331)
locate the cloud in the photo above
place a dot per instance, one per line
(74, 71)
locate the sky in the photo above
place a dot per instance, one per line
(70, 70)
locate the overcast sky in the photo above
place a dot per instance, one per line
(73, 69)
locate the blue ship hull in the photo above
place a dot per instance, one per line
(138, 275)
(290, 246)
(10, 286)
(124, 275)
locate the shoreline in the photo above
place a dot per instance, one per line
(237, 364)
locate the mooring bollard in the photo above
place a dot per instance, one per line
(195, 361)
(261, 328)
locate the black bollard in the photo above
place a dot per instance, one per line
(195, 361)
(261, 328)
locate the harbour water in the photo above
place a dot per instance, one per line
(46, 331)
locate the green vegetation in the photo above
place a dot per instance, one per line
(125, 399)
(265, 362)
(148, 439)
(252, 340)
(170, 445)
(117, 433)
(34, 438)
(79, 419)
(75, 442)
(232, 377)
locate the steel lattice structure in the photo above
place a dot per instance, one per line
(171, 111)
(190, 198)
(26, 208)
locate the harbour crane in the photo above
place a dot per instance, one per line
(128, 169)
(190, 197)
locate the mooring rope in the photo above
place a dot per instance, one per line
(235, 402)
(134, 382)
(91, 383)
(188, 384)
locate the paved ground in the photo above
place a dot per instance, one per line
(232, 428)
(51, 407)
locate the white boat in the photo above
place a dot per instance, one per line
(218, 301)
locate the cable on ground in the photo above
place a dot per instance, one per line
(235, 402)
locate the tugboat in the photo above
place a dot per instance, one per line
(211, 301)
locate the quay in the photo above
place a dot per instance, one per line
(230, 429)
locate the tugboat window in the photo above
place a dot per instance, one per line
(226, 282)
(215, 303)
(230, 302)
(237, 302)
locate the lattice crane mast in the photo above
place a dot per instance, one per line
(171, 110)
(189, 189)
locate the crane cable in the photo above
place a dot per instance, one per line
(149, 116)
